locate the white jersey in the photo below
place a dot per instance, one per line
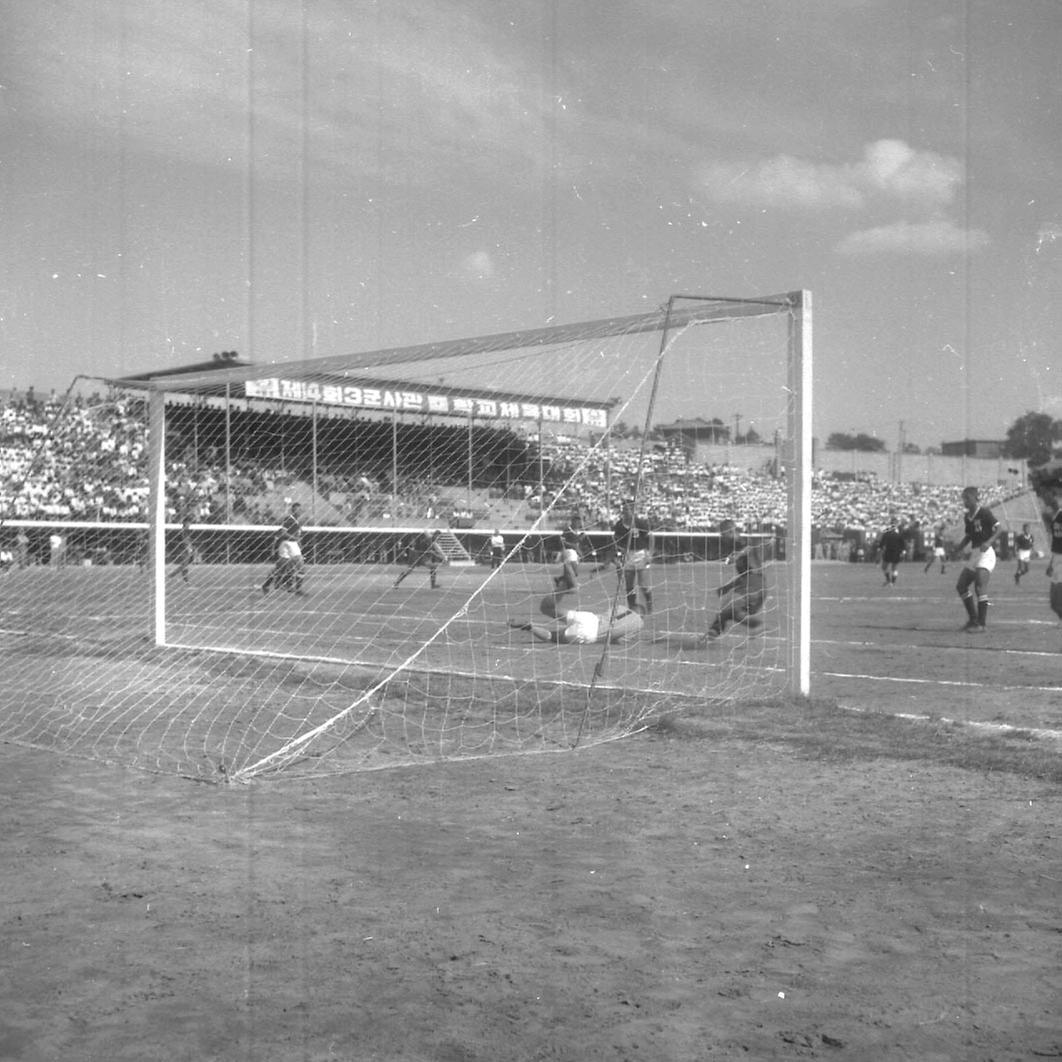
(582, 627)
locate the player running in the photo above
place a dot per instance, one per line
(982, 529)
(427, 553)
(1023, 545)
(633, 540)
(575, 546)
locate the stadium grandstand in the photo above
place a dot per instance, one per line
(94, 472)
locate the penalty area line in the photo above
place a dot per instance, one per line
(935, 682)
(996, 728)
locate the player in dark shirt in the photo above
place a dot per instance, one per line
(1054, 564)
(982, 528)
(427, 552)
(575, 545)
(289, 570)
(633, 540)
(891, 547)
(743, 596)
(1023, 546)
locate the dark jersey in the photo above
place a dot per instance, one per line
(631, 538)
(574, 538)
(290, 529)
(1056, 533)
(892, 545)
(980, 527)
(1023, 541)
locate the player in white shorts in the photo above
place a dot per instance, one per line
(1023, 545)
(289, 569)
(982, 528)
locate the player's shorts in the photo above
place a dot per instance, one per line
(938, 552)
(982, 558)
(1025, 555)
(1056, 569)
(636, 561)
(569, 556)
(289, 550)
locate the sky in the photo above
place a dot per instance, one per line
(292, 180)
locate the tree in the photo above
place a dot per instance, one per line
(840, 440)
(1032, 436)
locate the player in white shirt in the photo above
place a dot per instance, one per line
(578, 627)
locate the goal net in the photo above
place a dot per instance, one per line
(513, 543)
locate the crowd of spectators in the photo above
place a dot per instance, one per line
(90, 464)
(677, 493)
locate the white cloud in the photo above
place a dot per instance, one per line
(477, 266)
(888, 169)
(897, 170)
(781, 181)
(937, 237)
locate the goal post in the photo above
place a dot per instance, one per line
(352, 562)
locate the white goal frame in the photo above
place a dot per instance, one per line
(679, 311)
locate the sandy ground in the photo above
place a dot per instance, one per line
(672, 897)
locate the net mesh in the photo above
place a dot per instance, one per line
(454, 509)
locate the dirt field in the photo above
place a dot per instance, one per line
(790, 883)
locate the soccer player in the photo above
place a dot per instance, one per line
(633, 539)
(427, 553)
(575, 545)
(289, 569)
(892, 549)
(743, 596)
(497, 549)
(1023, 543)
(1054, 564)
(938, 553)
(186, 557)
(982, 529)
(582, 628)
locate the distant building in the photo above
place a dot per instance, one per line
(974, 448)
(691, 432)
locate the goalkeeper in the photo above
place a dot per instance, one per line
(582, 628)
(743, 596)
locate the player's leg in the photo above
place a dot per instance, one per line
(433, 569)
(982, 576)
(646, 588)
(1055, 594)
(965, 589)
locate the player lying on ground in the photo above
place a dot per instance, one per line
(576, 627)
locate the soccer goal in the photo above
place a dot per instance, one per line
(513, 543)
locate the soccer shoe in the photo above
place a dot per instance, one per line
(974, 628)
